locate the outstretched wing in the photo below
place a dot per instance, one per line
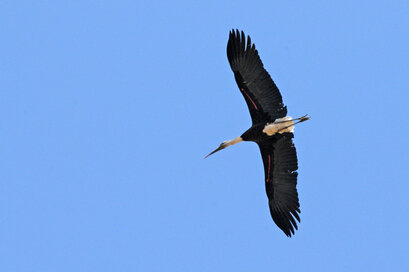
(280, 165)
(260, 92)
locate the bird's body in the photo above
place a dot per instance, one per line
(272, 130)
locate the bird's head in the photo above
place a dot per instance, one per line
(221, 146)
(226, 144)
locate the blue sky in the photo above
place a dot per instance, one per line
(108, 107)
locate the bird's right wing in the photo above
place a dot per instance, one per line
(280, 165)
(258, 89)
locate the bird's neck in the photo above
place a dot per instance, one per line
(233, 141)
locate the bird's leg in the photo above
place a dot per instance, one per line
(301, 119)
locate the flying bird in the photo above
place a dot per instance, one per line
(271, 129)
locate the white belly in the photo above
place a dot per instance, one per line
(280, 125)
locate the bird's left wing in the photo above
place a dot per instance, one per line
(280, 165)
(258, 89)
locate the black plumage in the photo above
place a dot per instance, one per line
(280, 166)
(259, 90)
(265, 104)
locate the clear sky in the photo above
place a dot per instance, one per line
(108, 107)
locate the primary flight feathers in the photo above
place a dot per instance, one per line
(259, 90)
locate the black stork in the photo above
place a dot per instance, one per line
(272, 130)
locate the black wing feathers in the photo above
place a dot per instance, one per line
(265, 105)
(280, 165)
(260, 92)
